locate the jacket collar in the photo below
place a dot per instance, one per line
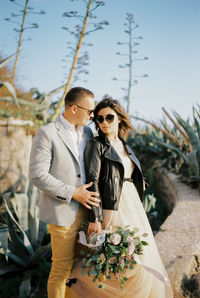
(112, 154)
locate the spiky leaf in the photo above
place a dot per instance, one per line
(3, 62)
(4, 239)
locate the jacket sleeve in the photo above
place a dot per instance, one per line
(40, 163)
(92, 158)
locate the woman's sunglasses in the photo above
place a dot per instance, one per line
(109, 118)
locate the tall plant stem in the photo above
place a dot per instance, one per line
(130, 69)
(61, 102)
(20, 41)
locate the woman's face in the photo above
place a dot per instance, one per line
(108, 121)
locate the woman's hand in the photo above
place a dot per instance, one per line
(94, 227)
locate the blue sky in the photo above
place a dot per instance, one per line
(171, 40)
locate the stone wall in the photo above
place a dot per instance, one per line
(15, 146)
(178, 239)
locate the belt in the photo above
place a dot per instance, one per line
(128, 179)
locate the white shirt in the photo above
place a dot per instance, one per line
(78, 142)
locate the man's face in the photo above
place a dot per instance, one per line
(84, 110)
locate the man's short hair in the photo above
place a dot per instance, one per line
(75, 94)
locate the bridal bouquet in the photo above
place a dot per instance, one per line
(111, 254)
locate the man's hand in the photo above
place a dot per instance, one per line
(85, 197)
(94, 227)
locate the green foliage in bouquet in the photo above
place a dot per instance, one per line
(112, 254)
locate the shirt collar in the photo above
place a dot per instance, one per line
(67, 125)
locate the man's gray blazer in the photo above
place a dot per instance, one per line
(55, 170)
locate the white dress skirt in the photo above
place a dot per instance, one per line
(141, 283)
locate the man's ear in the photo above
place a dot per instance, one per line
(74, 109)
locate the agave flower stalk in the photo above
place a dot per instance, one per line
(79, 34)
(20, 41)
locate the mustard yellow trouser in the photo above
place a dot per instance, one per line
(63, 240)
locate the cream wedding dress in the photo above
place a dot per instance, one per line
(141, 283)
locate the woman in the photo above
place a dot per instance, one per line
(117, 177)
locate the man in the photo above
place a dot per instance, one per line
(57, 169)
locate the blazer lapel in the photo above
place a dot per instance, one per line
(65, 137)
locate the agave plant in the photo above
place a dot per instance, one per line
(39, 105)
(149, 203)
(177, 147)
(22, 240)
(194, 138)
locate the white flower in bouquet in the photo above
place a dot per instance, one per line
(129, 239)
(115, 239)
(131, 249)
(97, 239)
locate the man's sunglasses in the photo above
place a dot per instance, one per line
(89, 111)
(109, 118)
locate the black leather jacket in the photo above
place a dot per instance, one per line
(105, 169)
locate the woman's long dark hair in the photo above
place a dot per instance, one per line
(124, 125)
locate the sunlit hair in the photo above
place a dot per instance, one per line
(76, 94)
(124, 125)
